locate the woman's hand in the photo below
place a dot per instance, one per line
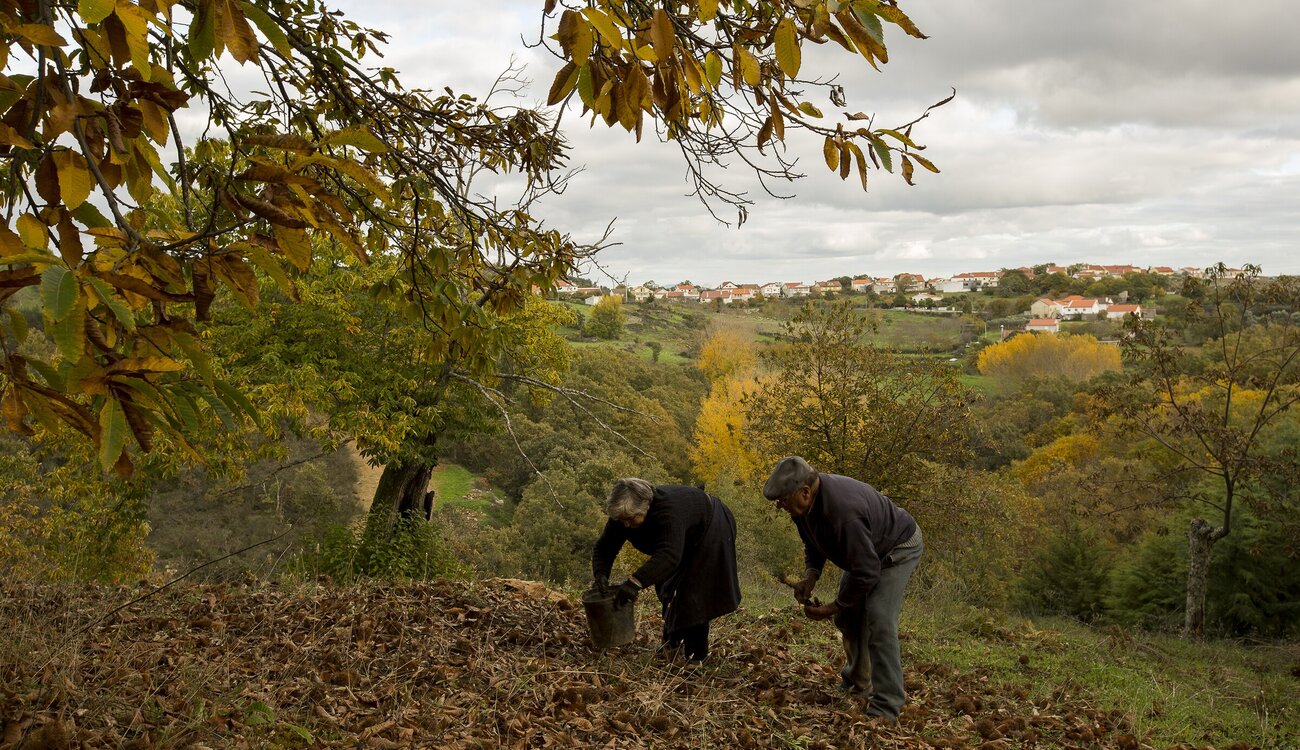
(626, 592)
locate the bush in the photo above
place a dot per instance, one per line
(408, 548)
(1071, 577)
(1254, 586)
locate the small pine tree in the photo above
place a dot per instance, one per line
(1070, 577)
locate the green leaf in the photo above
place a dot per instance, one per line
(69, 334)
(194, 353)
(119, 308)
(17, 324)
(886, 158)
(94, 11)
(713, 69)
(112, 433)
(58, 292)
(269, 28)
(52, 376)
(203, 31)
(87, 214)
(218, 406)
(871, 22)
(234, 399)
(787, 47)
(187, 412)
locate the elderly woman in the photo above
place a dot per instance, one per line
(690, 537)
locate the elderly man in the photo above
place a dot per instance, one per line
(877, 545)
(690, 537)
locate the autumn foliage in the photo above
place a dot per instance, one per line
(1074, 358)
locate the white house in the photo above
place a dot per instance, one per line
(884, 286)
(948, 286)
(923, 296)
(642, 293)
(976, 280)
(1119, 311)
(716, 294)
(728, 286)
(771, 289)
(796, 289)
(1078, 307)
(566, 287)
(1044, 325)
(861, 286)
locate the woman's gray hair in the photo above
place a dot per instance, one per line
(630, 497)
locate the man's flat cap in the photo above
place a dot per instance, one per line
(790, 474)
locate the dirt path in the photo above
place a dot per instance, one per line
(367, 477)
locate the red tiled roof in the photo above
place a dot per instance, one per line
(1044, 322)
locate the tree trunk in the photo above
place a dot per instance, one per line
(1201, 537)
(403, 492)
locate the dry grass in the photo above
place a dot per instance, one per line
(454, 665)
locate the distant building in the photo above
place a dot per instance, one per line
(1119, 311)
(1044, 325)
(710, 295)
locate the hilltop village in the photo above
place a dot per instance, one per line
(1046, 293)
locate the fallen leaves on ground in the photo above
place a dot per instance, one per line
(498, 663)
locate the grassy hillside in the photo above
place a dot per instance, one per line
(506, 663)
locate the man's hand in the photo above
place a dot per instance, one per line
(626, 592)
(803, 589)
(821, 611)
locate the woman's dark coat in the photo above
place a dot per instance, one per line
(690, 537)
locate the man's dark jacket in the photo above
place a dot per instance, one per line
(855, 527)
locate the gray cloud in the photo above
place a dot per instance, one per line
(1162, 133)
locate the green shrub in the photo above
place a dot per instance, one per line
(1070, 576)
(408, 548)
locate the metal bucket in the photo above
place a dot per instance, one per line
(609, 625)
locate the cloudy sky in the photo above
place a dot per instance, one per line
(1112, 132)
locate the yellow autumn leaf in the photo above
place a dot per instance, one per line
(75, 180)
(295, 244)
(661, 34)
(608, 30)
(832, 153)
(33, 232)
(708, 10)
(136, 23)
(750, 70)
(38, 33)
(787, 47)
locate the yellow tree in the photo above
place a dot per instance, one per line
(726, 354)
(722, 445)
(1074, 358)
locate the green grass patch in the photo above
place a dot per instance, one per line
(456, 487)
(1174, 690)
